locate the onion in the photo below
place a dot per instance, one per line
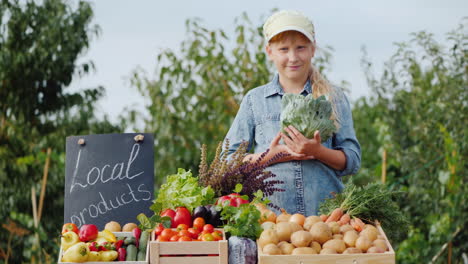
(297, 218)
(283, 217)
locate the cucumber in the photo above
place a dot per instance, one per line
(131, 253)
(129, 240)
(141, 255)
(143, 241)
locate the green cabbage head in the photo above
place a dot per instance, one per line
(307, 114)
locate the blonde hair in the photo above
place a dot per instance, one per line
(320, 85)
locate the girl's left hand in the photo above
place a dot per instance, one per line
(300, 144)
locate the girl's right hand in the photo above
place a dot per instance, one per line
(276, 147)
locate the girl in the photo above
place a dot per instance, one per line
(312, 170)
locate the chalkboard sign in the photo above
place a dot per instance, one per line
(108, 177)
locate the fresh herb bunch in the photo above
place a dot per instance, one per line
(243, 221)
(223, 174)
(371, 202)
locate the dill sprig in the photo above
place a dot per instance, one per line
(370, 203)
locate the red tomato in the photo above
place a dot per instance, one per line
(161, 239)
(207, 237)
(158, 229)
(193, 232)
(174, 238)
(88, 233)
(171, 213)
(70, 227)
(182, 227)
(209, 228)
(184, 233)
(185, 238)
(166, 234)
(199, 222)
(182, 216)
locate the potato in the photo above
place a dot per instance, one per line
(297, 218)
(321, 232)
(328, 251)
(295, 227)
(375, 250)
(345, 228)
(283, 230)
(303, 251)
(352, 250)
(268, 225)
(129, 227)
(363, 243)
(113, 226)
(271, 249)
(301, 238)
(336, 244)
(338, 236)
(316, 246)
(350, 238)
(370, 232)
(286, 248)
(268, 236)
(380, 243)
(310, 221)
(335, 227)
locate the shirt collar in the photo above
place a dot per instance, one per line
(274, 87)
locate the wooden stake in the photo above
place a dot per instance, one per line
(34, 206)
(384, 166)
(44, 184)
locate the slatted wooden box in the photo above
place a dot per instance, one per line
(192, 252)
(117, 234)
(367, 258)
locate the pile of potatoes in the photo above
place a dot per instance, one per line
(298, 235)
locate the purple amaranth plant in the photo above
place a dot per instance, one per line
(223, 174)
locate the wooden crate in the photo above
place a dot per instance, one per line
(367, 258)
(117, 234)
(192, 252)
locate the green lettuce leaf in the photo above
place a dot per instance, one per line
(182, 189)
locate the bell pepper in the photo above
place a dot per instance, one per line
(110, 255)
(76, 253)
(69, 239)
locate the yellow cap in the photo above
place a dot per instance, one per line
(288, 20)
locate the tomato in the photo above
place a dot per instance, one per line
(170, 213)
(184, 233)
(199, 222)
(182, 216)
(174, 238)
(207, 237)
(194, 232)
(209, 228)
(217, 236)
(158, 229)
(69, 227)
(166, 234)
(185, 238)
(161, 239)
(182, 227)
(88, 233)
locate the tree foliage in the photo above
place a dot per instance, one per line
(39, 46)
(196, 91)
(417, 113)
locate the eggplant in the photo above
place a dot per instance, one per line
(202, 212)
(215, 217)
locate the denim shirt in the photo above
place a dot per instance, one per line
(308, 182)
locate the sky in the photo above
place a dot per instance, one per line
(134, 32)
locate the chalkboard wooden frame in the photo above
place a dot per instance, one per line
(108, 177)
